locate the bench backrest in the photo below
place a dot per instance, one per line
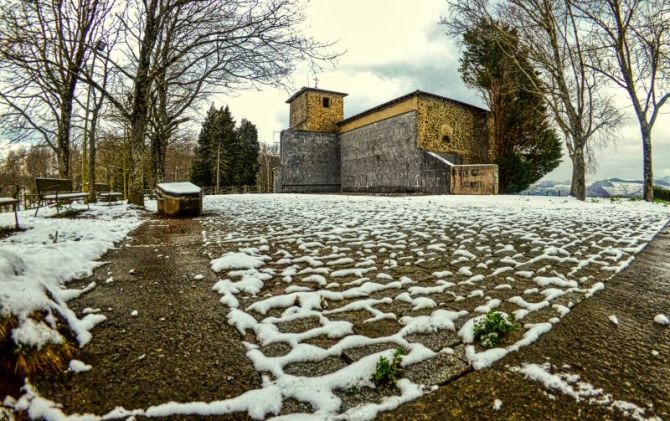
(101, 187)
(43, 185)
(6, 191)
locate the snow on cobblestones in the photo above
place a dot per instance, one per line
(368, 275)
(321, 287)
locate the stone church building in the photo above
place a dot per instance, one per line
(417, 143)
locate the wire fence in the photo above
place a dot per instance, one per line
(211, 191)
(29, 200)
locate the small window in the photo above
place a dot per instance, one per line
(446, 140)
(326, 102)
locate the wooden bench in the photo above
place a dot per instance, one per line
(104, 192)
(57, 190)
(13, 200)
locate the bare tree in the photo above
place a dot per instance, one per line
(630, 41)
(548, 30)
(43, 47)
(268, 159)
(178, 51)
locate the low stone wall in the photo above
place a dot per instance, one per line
(435, 175)
(310, 162)
(474, 179)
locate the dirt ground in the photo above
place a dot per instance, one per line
(179, 347)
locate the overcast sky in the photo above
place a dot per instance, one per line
(394, 47)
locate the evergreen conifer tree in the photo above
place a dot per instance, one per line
(225, 146)
(247, 164)
(201, 169)
(223, 149)
(527, 147)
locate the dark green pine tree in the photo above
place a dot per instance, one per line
(227, 142)
(201, 169)
(224, 149)
(527, 147)
(247, 163)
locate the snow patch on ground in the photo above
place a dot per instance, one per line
(423, 264)
(582, 391)
(662, 320)
(36, 265)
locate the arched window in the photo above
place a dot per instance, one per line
(446, 139)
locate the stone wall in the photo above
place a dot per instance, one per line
(454, 128)
(474, 179)
(307, 112)
(310, 162)
(435, 175)
(298, 112)
(382, 156)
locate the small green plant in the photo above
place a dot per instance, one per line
(491, 329)
(387, 372)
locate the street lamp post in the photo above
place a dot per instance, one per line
(88, 165)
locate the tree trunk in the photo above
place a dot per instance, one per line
(91, 150)
(140, 111)
(138, 127)
(648, 188)
(63, 141)
(218, 165)
(163, 133)
(63, 159)
(158, 151)
(578, 187)
(135, 164)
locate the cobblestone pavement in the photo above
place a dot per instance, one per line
(600, 370)
(321, 287)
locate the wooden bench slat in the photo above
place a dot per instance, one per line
(64, 196)
(8, 201)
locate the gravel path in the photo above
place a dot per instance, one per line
(179, 346)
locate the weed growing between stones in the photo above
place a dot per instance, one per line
(491, 329)
(387, 372)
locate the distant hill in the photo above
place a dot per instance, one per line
(603, 188)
